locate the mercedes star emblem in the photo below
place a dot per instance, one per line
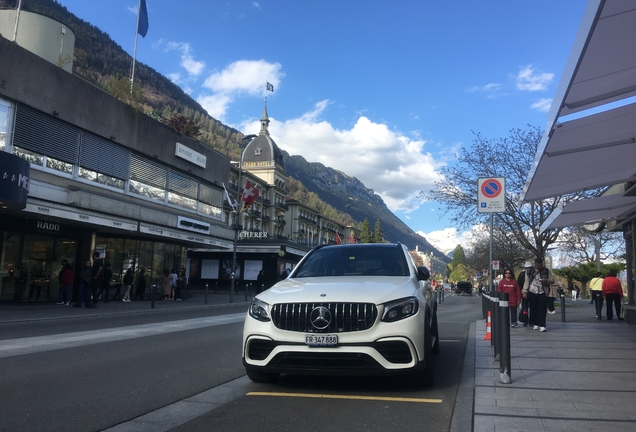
(320, 317)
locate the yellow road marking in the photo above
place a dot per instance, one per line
(331, 396)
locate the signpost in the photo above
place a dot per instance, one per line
(491, 198)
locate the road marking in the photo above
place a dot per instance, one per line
(450, 340)
(332, 396)
(14, 347)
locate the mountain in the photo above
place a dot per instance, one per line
(99, 59)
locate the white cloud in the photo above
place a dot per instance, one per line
(243, 77)
(392, 164)
(542, 104)
(529, 80)
(490, 87)
(446, 240)
(256, 5)
(193, 67)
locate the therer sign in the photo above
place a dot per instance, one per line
(491, 195)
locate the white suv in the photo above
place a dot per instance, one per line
(362, 309)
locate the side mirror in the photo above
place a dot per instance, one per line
(423, 273)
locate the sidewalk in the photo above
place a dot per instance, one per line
(39, 311)
(578, 376)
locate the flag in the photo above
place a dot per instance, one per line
(142, 19)
(250, 193)
(230, 201)
(270, 87)
(338, 241)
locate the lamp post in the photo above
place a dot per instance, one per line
(236, 215)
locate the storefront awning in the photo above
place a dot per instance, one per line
(595, 150)
(601, 209)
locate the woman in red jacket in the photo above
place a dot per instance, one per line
(509, 285)
(613, 294)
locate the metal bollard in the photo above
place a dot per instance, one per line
(562, 306)
(443, 293)
(246, 291)
(504, 339)
(153, 294)
(484, 306)
(495, 324)
(206, 294)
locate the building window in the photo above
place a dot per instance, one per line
(59, 165)
(32, 157)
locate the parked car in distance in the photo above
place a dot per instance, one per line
(463, 288)
(358, 309)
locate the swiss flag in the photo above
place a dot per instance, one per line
(250, 193)
(338, 241)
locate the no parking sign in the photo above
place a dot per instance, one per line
(491, 195)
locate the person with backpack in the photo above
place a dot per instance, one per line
(521, 280)
(536, 289)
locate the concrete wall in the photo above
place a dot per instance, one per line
(27, 78)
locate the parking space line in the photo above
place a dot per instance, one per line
(332, 396)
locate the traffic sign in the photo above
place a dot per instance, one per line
(495, 265)
(491, 195)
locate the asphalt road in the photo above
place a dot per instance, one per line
(93, 373)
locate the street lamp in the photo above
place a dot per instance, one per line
(237, 213)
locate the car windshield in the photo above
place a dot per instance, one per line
(354, 261)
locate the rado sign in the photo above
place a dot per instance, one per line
(14, 181)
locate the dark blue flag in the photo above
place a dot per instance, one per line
(270, 87)
(142, 23)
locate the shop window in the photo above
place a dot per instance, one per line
(32, 157)
(4, 123)
(59, 165)
(209, 210)
(12, 280)
(181, 201)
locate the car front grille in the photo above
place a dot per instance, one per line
(345, 317)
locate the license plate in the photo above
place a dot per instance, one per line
(321, 340)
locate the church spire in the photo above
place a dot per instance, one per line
(264, 121)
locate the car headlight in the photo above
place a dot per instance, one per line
(259, 310)
(400, 309)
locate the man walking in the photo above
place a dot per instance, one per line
(613, 293)
(96, 276)
(596, 288)
(536, 288)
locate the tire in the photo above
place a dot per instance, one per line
(435, 333)
(261, 377)
(424, 374)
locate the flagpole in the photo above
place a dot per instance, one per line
(132, 75)
(17, 18)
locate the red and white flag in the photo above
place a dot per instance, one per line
(250, 193)
(338, 241)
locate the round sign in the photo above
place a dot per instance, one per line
(491, 188)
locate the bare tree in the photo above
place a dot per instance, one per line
(580, 247)
(511, 158)
(506, 250)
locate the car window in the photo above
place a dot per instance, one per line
(354, 261)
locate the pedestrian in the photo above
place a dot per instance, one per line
(574, 292)
(509, 285)
(181, 284)
(521, 280)
(165, 281)
(596, 288)
(104, 284)
(613, 294)
(66, 280)
(174, 277)
(96, 276)
(553, 293)
(128, 280)
(141, 284)
(535, 289)
(84, 294)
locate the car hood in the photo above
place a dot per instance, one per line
(363, 289)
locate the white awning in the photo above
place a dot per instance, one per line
(597, 150)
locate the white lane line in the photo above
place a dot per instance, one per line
(14, 347)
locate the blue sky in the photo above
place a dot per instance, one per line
(386, 91)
